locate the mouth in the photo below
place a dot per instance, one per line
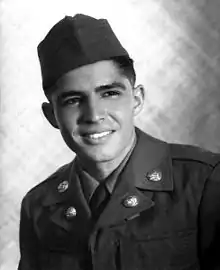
(97, 137)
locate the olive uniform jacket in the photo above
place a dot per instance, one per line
(164, 213)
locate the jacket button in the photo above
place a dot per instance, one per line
(131, 201)
(70, 212)
(63, 186)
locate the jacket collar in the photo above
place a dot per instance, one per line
(53, 196)
(58, 203)
(150, 155)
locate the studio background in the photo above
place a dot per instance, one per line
(176, 48)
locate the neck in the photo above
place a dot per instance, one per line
(101, 170)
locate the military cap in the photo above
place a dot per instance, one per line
(74, 42)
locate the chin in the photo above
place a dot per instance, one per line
(98, 156)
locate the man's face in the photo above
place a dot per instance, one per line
(94, 107)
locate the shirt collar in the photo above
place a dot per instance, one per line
(89, 183)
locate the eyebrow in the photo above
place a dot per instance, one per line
(98, 89)
(110, 86)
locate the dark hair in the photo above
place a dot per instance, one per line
(126, 66)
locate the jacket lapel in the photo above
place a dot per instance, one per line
(58, 203)
(149, 155)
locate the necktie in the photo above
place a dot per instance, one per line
(99, 200)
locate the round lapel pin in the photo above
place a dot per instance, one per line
(70, 212)
(131, 201)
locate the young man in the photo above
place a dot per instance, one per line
(127, 201)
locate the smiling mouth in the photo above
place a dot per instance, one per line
(97, 137)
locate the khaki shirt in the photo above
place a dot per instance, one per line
(89, 183)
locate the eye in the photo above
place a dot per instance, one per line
(71, 101)
(111, 93)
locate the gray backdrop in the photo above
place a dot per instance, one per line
(175, 45)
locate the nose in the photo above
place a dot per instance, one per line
(92, 111)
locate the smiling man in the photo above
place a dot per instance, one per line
(127, 201)
(94, 108)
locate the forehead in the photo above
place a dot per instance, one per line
(90, 76)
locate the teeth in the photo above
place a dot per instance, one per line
(99, 135)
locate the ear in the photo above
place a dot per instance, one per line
(139, 97)
(48, 111)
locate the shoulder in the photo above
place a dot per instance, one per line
(194, 154)
(180, 153)
(199, 168)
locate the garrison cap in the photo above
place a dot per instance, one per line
(74, 42)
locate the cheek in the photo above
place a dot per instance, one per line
(124, 118)
(122, 107)
(66, 119)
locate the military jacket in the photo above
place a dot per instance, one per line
(164, 213)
